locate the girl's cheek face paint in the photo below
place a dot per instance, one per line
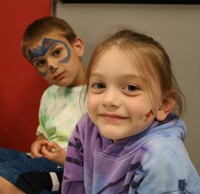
(40, 51)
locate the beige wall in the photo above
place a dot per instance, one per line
(177, 27)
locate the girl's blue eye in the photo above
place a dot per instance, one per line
(98, 85)
(131, 88)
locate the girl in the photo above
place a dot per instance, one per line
(131, 140)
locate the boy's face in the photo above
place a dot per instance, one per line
(118, 100)
(57, 60)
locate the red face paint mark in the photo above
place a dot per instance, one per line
(149, 114)
(47, 43)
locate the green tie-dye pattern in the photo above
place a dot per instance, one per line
(59, 112)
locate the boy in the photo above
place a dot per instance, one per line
(52, 47)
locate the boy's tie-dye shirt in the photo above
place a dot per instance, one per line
(60, 110)
(152, 162)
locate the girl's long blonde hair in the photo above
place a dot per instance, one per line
(148, 57)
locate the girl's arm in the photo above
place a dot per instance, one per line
(165, 168)
(73, 168)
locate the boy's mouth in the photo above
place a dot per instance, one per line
(58, 76)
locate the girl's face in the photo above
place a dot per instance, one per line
(58, 61)
(118, 100)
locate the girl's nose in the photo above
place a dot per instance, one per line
(111, 99)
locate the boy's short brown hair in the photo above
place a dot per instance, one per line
(44, 26)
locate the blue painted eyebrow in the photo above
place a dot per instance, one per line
(47, 43)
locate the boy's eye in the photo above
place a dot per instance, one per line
(57, 52)
(40, 63)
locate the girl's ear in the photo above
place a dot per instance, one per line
(166, 107)
(79, 46)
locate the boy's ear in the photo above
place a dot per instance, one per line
(79, 46)
(166, 107)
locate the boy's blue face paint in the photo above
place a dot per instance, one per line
(43, 74)
(40, 51)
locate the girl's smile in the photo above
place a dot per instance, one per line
(112, 117)
(118, 99)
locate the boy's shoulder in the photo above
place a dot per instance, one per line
(54, 90)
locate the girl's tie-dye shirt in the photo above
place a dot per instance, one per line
(60, 109)
(152, 162)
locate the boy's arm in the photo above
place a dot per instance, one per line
(37, 145)
(50, 150)
(54, 152)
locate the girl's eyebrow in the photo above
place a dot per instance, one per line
(96, 75)
(130, 76)
(125, 78)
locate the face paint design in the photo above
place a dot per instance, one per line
(46, 45)
(148, 114)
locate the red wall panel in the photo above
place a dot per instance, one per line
(21, 86)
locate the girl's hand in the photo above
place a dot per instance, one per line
(54, 152)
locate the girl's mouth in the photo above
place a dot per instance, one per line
(112, 117)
